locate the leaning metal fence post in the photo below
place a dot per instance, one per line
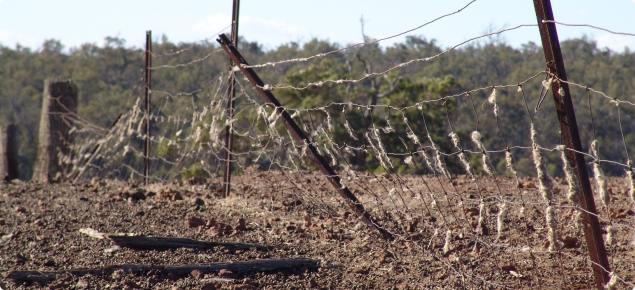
(571, 139)
(231, 90)
(297, 133)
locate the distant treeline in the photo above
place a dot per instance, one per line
(107, 76)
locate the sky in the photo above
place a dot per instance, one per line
(275, 22)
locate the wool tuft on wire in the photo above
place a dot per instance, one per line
(610, 285)
(439, 161)
(466, 163)
(552, 224)
(492, 100)
(487, 164)
(510, 163)
(572, 179)
(448, 240)
(598, 175)
(611, 232)
(544, 180)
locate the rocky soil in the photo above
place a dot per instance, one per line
(301, 216)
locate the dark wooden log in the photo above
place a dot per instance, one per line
(143, 242)
(9, 152)
(59, 106)
(236, 267)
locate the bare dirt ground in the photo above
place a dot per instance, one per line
(301, 216)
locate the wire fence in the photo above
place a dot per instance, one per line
(434, 187)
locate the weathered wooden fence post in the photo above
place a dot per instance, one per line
(9, 152)
(55, 136)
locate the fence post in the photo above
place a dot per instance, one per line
(55, 139)
(297, 133)
(231, 90)
(146, 142)
(571, 139)
(9, 152)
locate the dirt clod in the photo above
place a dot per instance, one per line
(194, 222)
(312, 283)
(240, 225)
(196, 274)
(198, 201)
(412, 226)
(570, 242)
(224, 273)
(82, 283)
(117, 275)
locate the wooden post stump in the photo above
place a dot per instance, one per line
(9, 152)
(55, 139)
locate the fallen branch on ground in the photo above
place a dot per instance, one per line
(143, 242)
(236, 267)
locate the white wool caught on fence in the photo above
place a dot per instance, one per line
(411, 135)
(611, 233)
(333, 150)
(462, 156)
(510, 163)
(487, 164)
(547, 83)
(261, 112)
(552, 224)
(448, 240)
(273, 116)
(415, 139)
(561, 91)
(349, 130)
(598, 175)
(373, 138)
(572, 179)
(502, 211)
(305, 147)
(439, 162)
(329, 121)
(492, 97)
(481, 217)
(434, 235)
(545, 183)
(613, 279)
(428, 160)
(492, 100)
(610, 285)
(141, 123)
(579, 219)
(388, 128)
(198, 134)
(408, 160)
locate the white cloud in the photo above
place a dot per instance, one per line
(265, 31)
(616, 42)
(213, 24)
